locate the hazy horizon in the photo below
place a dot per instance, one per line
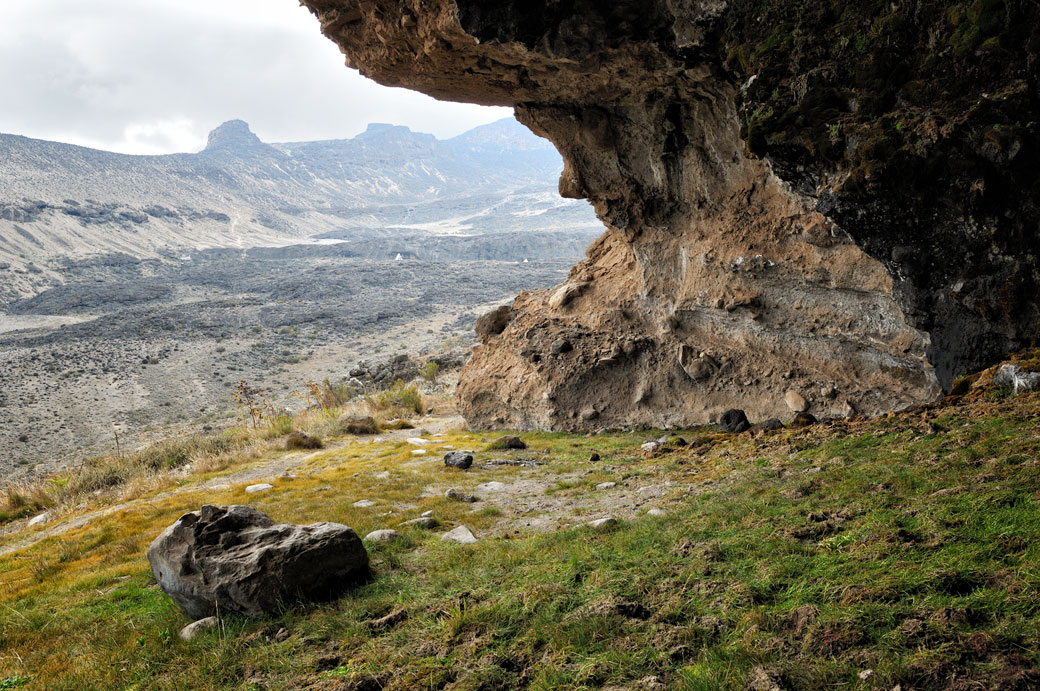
(152, 79)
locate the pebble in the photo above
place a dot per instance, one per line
(262, 487)
(461, 535)
(191, 630)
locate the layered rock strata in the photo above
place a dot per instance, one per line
(768, 239)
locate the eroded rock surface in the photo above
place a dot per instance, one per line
(237, 560)
(838, 200)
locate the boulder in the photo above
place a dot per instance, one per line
(796, 401)
(458, 459)
(734, 421)
(237, 560)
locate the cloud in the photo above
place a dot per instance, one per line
(156, 76)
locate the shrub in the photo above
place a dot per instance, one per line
(430, 371)
(398, 397)
(280, 426)
(299, 440)
(360, 425)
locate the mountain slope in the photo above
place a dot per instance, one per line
(64, 201)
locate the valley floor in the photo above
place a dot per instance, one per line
(900, 552)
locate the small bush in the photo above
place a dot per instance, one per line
(430, 371)
(398, 424)
(360, 425)
(398, 397)
(299, 440)
(280, 426)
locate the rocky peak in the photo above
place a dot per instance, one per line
(232, 135)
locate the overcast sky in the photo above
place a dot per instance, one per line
(154, 76)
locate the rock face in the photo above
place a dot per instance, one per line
(235, 559)
(798, 196)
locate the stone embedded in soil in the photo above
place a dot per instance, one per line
(196, 627)
(796, 401)
(603, 523)
(236, 560)
(458, 495)
(767, 426)
(461, 535)
(657, 512)
(260, 487)
(424, 522)
(384, 535)
(363, 503)
(606, 485)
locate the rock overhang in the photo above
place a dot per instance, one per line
(788, 261)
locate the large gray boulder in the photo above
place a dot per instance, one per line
(235, 559)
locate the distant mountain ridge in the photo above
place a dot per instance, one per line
(62, 201)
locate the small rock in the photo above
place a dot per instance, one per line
(865, 674)
(657, 512)
(561, 346)
(458, 459)
(461, 535)
(419, 452)
(603, 523)
(363, 503)
(828, 392)
(847, 409)
(796, 401)
(606, 485)
(458, 495)
(39, 520)
(593, 458)
(385, 535)
(1012, 378)
(416, 441)
(803, 420)
(651, 446)
(385, 475)
(767, 426)
(426, 514)
(734, 421)
(194, 628)
(262, 487)
(508, 442)
(424, 522)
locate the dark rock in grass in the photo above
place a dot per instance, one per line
(767, 426)
(299, 440)
(593, 458)
(237, 560)
(458, 495)
(458, 459)
(360, 425)
(734, 421)
(507, 442)
(803, 420)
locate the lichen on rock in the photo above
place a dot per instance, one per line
(797, 196)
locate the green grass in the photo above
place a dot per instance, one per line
(809, 556)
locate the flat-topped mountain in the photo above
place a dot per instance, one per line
(62, 201)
